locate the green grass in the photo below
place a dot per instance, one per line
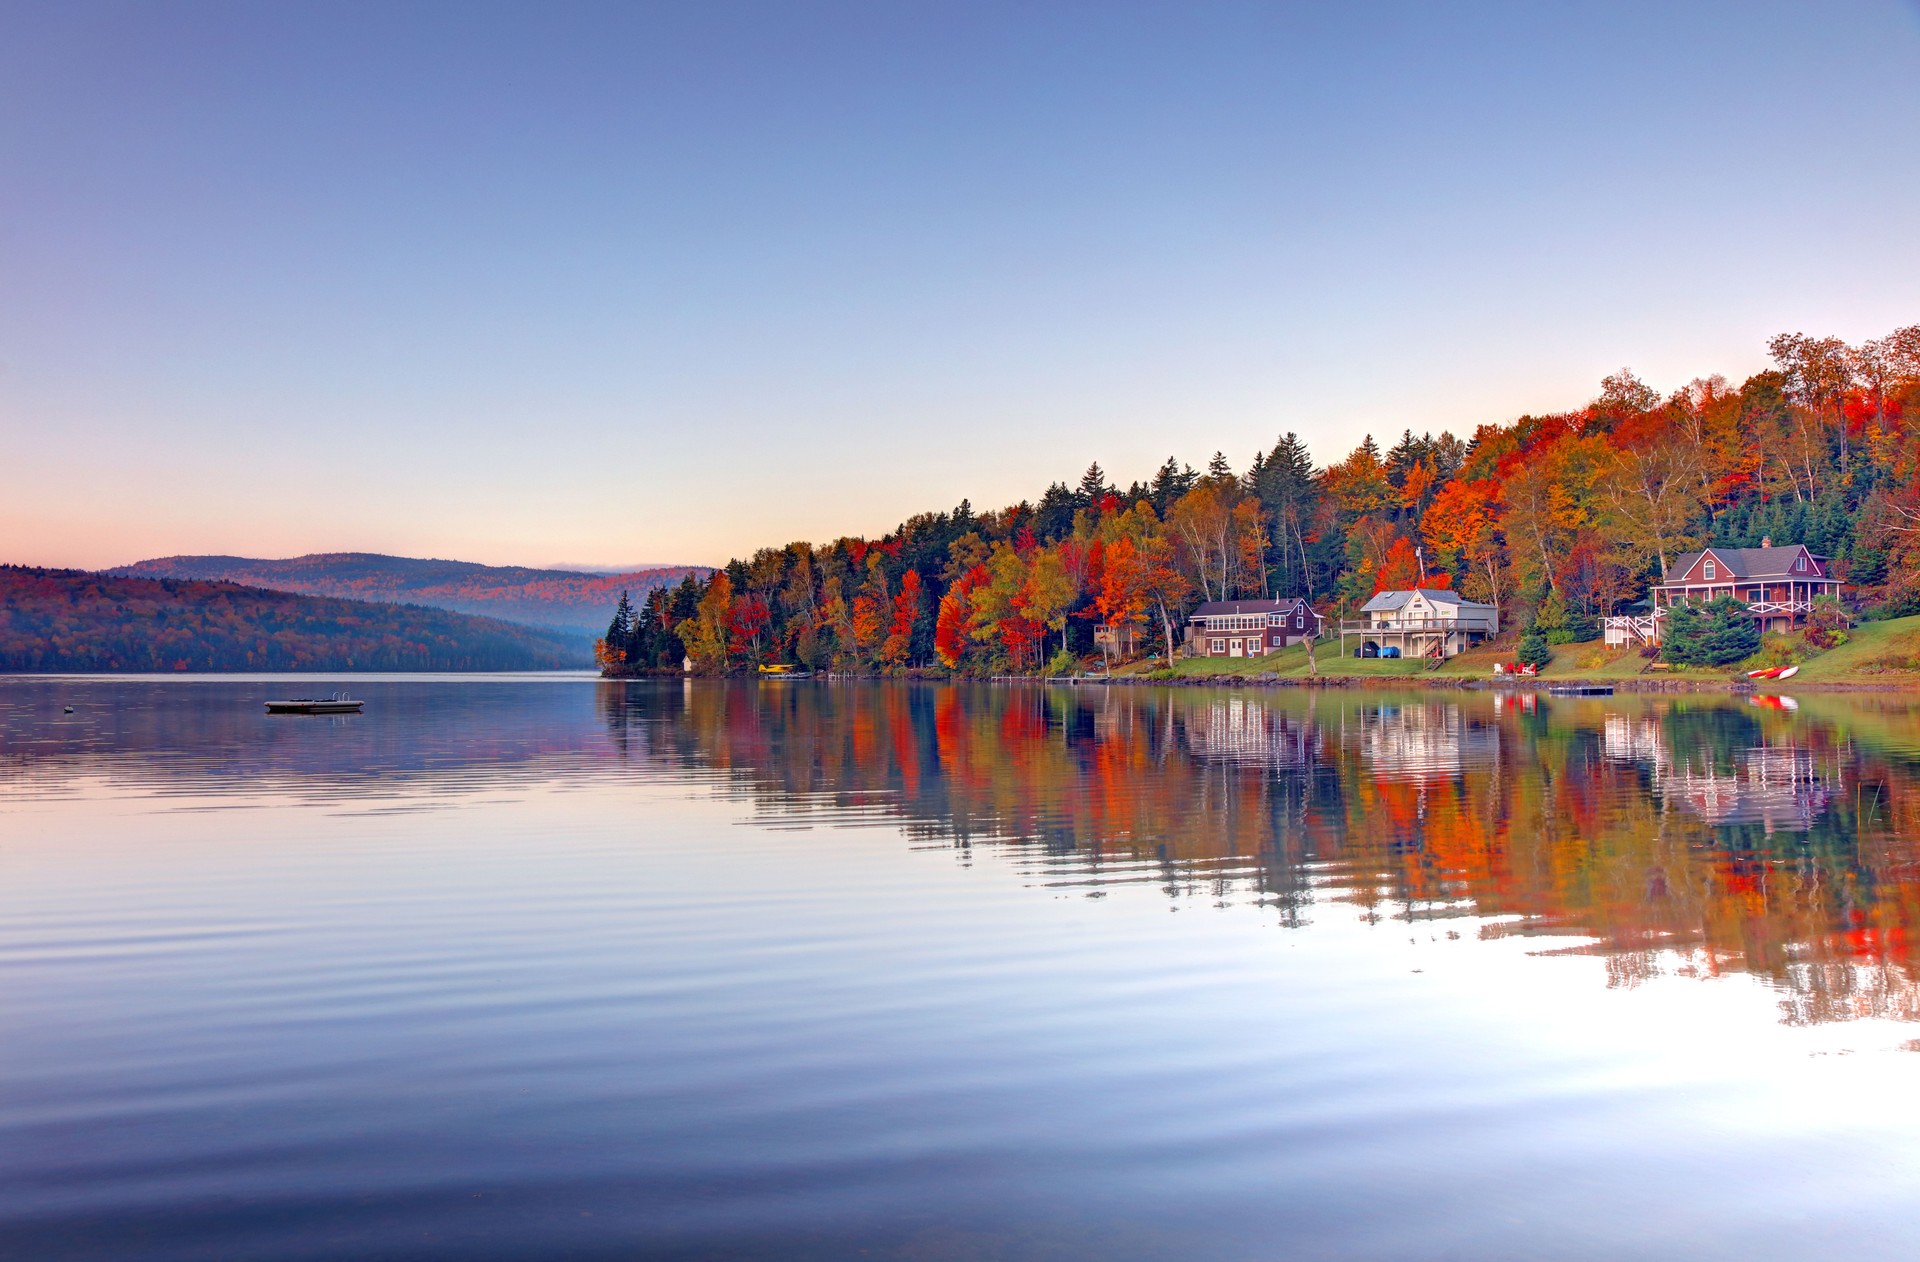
(1899, 637)
(1896, 637)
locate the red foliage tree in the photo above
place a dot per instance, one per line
(908, 606)
(1401, 570)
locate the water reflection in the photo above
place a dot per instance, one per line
(679, 970)
(1676, 836)
(1679, 835)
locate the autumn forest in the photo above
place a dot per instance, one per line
(1559, 520)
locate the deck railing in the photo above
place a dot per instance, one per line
(1483, 626)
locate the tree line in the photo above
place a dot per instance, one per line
(1558, 520)
(71, 620)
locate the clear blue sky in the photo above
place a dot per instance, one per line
(523, 283)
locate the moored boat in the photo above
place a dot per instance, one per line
(336, 704)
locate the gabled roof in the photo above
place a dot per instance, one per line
(1386, 602)
(1220, 608)
(1745, 563)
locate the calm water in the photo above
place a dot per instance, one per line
(560, 969)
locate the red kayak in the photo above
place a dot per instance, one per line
(1774, 672)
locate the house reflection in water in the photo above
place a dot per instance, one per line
(1670, 835)
(1424, 742)
(1776, 787)
(1779, 786)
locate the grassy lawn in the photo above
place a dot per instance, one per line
(1869, 643)
(1896, 638)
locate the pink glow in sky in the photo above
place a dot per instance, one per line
(516, 285)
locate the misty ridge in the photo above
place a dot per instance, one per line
(75, 621)
(574, 601)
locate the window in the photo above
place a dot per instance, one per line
(1216, 646)
(1800, 562)
(1708, 572)
(1297, 623)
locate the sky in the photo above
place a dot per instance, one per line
(516, 283)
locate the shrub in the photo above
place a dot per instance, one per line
(1822, 638)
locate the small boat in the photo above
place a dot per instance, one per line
(1774, 672)
(336, 704)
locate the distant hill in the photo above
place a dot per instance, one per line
(567, 600)
(71, 620)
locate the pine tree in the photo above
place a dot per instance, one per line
(1533, 650)
(1715, 634)
(1093, 485)
(620, 630)
(1171, 481)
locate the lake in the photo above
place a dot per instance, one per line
(555, 968)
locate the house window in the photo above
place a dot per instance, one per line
(1800, 563)
(1708, 572)
(1296, 620)
(1216, 646)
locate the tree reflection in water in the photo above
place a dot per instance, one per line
(1688, 835)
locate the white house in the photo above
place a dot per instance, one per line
(1421, 622)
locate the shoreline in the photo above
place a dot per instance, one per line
(1442, 683)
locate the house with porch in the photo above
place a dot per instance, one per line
(1419, 622)
(1777, 585)
(1249, 628)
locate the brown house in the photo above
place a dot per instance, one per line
(1249, 628)
(1777, 585)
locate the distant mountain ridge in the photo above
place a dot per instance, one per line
(72, 620)
(565, 600)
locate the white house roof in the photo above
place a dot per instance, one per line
(1386, 602)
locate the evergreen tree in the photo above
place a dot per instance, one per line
(1171, 481)
(1533, 650)
(1715, 634)
(620, 630)
(1093, 485)
(1730, 633)
(1551, 620)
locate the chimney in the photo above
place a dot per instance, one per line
(1766, 541)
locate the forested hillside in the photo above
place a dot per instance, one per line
(70, 620)
(1558, 519)
(564, 599)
